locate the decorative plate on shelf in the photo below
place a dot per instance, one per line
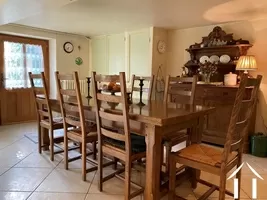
(214, 59)
(203, 59)
(225, 59)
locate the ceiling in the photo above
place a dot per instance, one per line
(99, 17)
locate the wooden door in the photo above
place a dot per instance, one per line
(18, 56)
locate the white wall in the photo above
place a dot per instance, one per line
(129, 52)
(59, 59)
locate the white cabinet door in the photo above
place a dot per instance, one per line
(139, 53)
(116, 53)
(99, 55)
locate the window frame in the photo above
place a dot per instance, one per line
(26, 40)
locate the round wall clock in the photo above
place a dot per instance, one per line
(68, 47)
(161, 46)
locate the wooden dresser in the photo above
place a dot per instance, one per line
(216, 124)
(218, 43)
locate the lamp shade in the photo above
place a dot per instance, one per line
(246, 63)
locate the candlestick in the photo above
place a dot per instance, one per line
(88, 87)
(141, 84)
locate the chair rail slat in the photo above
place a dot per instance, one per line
(72, 122)
(71, 108)
(41, 100)
(113, 135)
(65, 77)
(43, 113)
(68, 92)
(109, 98)
(111, 117)
(109, 78)
(35, 76)
(235, 146)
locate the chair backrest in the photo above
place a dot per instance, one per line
(241, 116)
(184, 95)
(71, 102)
(41, 96)
(147, 88)
(102, 113)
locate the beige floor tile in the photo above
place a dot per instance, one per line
(246, 185)
(22, 179)
(14, 195)
(183, 191)
(201, 189)
(40, 160)
(56, 196)
(61, 180)
(12, 133)
(15, 152)
(114, 185)
(77, 164)
(3, 170)
(108, 197)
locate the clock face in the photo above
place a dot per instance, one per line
(68, 47)
(161, 46)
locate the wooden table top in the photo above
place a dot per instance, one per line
(154, 112)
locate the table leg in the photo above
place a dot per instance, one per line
(153, 162)
(196, 139)
(45, 138)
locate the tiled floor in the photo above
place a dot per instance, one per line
(25, 174)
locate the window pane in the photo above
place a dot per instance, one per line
(14, 65)
(19, 60)
(35, 63)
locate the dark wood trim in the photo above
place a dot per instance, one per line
(27, 40)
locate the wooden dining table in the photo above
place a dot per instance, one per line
(155, 120)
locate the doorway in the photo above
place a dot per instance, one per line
(18, 56)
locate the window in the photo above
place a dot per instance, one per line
(20, 56)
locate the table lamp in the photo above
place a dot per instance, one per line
(246, 63)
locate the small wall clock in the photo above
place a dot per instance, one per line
(68, 47)
(161, 46)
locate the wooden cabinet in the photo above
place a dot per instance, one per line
(222, 98)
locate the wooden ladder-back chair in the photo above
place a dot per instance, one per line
(76, 128)
(213, 160)
(44, 114)
(116, 141)
(185, 95)
(148, 89)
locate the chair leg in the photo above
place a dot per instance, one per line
(66, 151)
(222, 186)
(94, 150)
(115, 166)
(195, 177)
(172, 178)
(168, 152)
(39, 138)
(52, 145)
(127, 190)
(100, 168)
(81, 147)
(84, 161)
(238, 176)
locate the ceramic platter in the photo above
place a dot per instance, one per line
(225, 59)
(214, 59)
(203, 59)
